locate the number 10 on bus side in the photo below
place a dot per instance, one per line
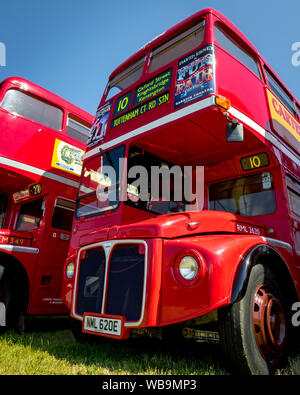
(255, 161)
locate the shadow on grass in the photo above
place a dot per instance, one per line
(46, 324)
(109, 356)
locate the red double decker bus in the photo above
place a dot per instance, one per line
(42, 140)
(222, 265)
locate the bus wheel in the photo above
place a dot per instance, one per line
(80, 336)
(254, 330)
(9, 299)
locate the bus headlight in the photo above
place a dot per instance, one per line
(70, 269)
(188, 267)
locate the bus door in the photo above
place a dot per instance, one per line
(53, 252)
(30, 218)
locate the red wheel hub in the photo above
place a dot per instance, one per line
(269, 324)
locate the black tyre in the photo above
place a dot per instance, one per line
(9, 297)
(254, 331)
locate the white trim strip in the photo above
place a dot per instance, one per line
(277, 243)
(36, 170)
(12, 248)
(264, 133)
(190, 110)
(155, 124)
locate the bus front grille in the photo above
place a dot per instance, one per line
(124, 283)
(91, 281)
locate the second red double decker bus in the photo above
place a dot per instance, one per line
(221, 263)
(42, 139)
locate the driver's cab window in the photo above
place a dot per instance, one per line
(3, 208)
(30, 215)
(154, 184)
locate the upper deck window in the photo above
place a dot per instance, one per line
(178, 46)
(231, 46)
(280, 93)
(32, 108)
(126, 78)
(78, 129)
(3, 207)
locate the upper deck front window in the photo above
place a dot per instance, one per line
(126, 78)
(231, 46)
(183, 43)
(27, 106)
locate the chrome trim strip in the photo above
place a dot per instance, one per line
(264, 133)
(13, 248)
(277, 243)
(202, 104)
(108, 247)
(107, 250)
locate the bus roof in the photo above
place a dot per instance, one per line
(181, 26)
(48, 96)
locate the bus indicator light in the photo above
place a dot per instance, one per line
(223, 102)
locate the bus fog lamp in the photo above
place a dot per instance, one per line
(188, 267)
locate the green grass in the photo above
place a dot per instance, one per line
(50, 349)
(43, 352)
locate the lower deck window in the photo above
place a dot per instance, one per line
(248, 196)
(293, 189)
(63, 214)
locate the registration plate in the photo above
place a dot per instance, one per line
(107, 326)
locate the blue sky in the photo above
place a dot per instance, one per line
(71, 46)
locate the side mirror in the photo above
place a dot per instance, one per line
(234, 132)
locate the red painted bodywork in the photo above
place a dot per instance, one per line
(198, 138)
(26, 151)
